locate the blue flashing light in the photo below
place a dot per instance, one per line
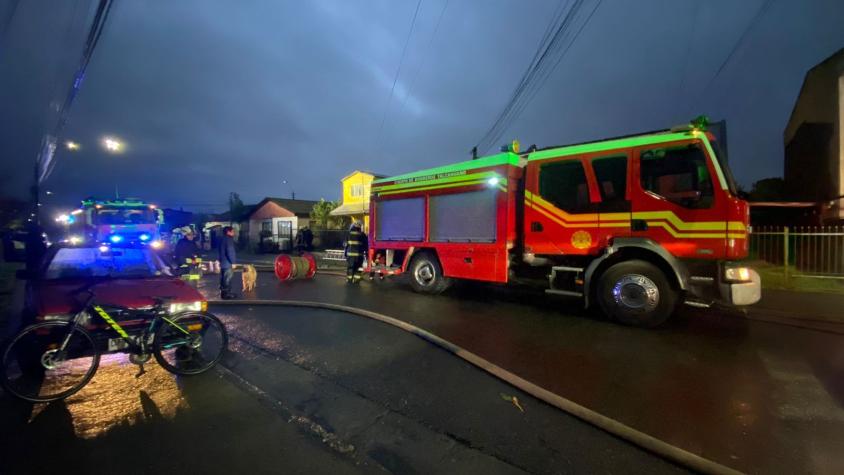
(144, 237)
(115, 238)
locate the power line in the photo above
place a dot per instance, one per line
(763, 9)
(398, 72)
(544, 45)
(424, 56)
(46, 164)
(547, 73)
(551, 51)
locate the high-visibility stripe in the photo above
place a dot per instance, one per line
(440, 183)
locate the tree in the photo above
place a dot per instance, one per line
(236, 207)
(768, 189)
(321, 214)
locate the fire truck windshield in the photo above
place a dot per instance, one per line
(725, 169)
(125, 216)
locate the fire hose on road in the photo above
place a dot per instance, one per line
(612, 426)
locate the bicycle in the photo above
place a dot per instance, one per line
(53, 360)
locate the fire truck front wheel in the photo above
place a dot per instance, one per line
(636, 293)
(426, 274)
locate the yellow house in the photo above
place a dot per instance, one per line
(355, 204)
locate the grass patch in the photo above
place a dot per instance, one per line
(773, 277)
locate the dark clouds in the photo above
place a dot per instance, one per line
(213, 97)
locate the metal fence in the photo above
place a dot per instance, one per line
(808, 251)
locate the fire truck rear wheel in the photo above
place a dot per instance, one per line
(426, 274)
(636, 293)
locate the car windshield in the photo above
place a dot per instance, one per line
(125, 216)
(104, 262)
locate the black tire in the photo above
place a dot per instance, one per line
(426, 274)
(30, 370)
(190, 354)
(636, 293)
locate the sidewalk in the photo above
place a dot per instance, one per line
(814, 310)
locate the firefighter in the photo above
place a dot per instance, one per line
(187, 257)
(356, 247)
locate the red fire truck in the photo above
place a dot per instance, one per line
(636, 224)
(115, 221)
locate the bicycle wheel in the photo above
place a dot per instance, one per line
(190, 342)
(36, 368)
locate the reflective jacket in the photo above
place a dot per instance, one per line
(185, 251)
(356, 243)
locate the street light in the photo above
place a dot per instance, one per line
(112, 144)
(71, 145)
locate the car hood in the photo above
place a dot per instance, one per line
(57, 297)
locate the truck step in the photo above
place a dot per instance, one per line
(566, 269)
(698, 304)
(567, 293)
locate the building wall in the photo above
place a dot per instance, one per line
(357, 178)
(814, 142)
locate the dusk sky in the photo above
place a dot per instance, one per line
(219, 96)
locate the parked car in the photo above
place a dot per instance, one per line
(130, 277)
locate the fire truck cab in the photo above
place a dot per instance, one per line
(117, 221)
(635, 225)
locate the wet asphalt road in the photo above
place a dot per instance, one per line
(756, 396)
(308, 391)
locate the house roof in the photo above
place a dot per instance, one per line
(297, 207)
(350, 209)
(374, 175)
(247, 210)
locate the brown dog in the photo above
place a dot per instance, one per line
(249, 277)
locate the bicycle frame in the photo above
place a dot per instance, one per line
(132, 345)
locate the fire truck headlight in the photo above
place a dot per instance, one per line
(493, 181)
(144, 237)
(737, 274)
(156, 244)
(115, 238)
(75, 240)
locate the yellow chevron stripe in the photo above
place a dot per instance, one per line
(679, 225)
(561, 222)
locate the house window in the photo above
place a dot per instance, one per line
(357, 190)
(266, 227)
(564, 185)
(285, 229)
(678, 174)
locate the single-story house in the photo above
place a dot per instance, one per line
(277, 220)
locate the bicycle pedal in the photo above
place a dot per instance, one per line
(141, 371)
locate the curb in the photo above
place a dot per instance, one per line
(651, 444)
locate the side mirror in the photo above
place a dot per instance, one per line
(23, 274)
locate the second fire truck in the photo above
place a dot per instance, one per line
(635, 225)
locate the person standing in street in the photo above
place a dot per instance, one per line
(186, 255)
(356, 246)
(228, 259)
